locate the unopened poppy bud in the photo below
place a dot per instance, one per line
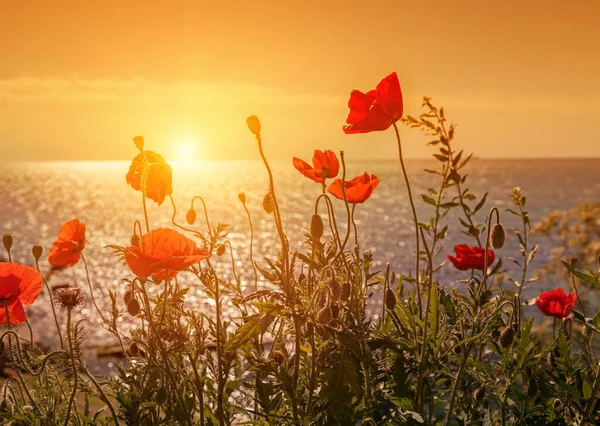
(253, 124)
(301, 277)
(37, 251)
(221, 250)
(532, 387)
(316, 227)
(497, 236)
(478, 394)
(128, 296)
(268, 203)
(335, 311)
(390, 299)
(278, 356)
(242, 197)
(506, 337)
(134, 349)
(335, 290)
(161, 396)
(135, 240)
(324, 315)
(191, 216)
(346, 288)
(7, 241)
(133, 307)
(139, 142)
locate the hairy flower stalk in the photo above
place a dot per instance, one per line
(73, 366)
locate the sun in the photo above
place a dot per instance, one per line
(187, 150)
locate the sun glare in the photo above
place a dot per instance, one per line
(187, 150)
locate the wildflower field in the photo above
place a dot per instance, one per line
(302, 348)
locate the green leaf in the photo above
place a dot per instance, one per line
(428, 200)
(587, 390)
(480, 204)
(596, 319)
(584, 277)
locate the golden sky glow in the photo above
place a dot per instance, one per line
(80, 78)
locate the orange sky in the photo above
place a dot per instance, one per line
(80, 78)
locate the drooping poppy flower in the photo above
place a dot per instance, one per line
(358, 190)
(470, 257)
(377, 109)
(158, 179)
(66, 250)
(19, 285)
(556, 303)
(325, 165)
(162, 253)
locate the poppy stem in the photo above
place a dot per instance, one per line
(144, 175)
(416, 220)
(487, 247)
(37, 266)
(251, 245)
(87, 276)
(354, 226)
(73, 366)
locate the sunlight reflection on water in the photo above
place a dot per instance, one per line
(36, 198)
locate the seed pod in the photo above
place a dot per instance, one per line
(346, 288)
(161, 396)
(191, 216)
(324, 315)
(316, 227)
(390, 299)
(478, 394)
(133, 307)
(37, 251)
(278, 356)
(506, 337)
(135, 240)
(7, 241)
(221, 250)
(253, 124)
(335, 290)
(134, 349)
(242, 197)
(497, 236)
(128, 296)
(268, 204)
(139, 142)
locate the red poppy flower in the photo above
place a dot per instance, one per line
(19, 285)
(163, 250)
(158, 179)
(556, 303)
(377, 109)
(358, 190)
(66, 250)
(325, 165)
(470, 257)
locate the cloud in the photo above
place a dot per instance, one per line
(82, 90)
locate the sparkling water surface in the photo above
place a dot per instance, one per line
(36, 198)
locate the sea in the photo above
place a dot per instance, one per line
(36, 198)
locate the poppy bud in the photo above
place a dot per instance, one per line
(301, 277)
(335, 290)
(335, 311)
(161, 396)
(324, 315)
(242, 197)
(135, 240)
(532, 387)
(128, 296)
(253, 124)
(316, 227)
(37, 251)
(497, 236)
(191, 216)
(221, 250)
(133, 307)
(390, 299)
(278, 356)
(268, 203)
(134, 349)
(7, 241)
(506, 337)
(478, 394)
(346, 288)
(139, 142)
